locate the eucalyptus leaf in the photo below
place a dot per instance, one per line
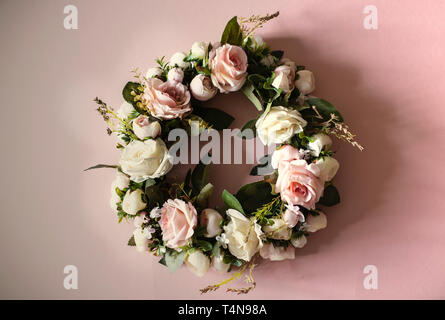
(203, 245)
(231, 201)
(174, 259)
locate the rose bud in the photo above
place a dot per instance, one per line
(153, 72)
(199, 50)
(305, 82)
(202, 88)
(132, 202)
(197, 262)
(144, 128)
(210, 219)
(315, 223)
(175, 74)
(178, 60)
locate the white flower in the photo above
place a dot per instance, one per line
(219, 265)
(284, 78)
(268, 251)
(292, 215)
(319, 141)
(211, 219)
(140, 220)
(175, 74)
(278, 230)
(299, 242)
(133, 202)
(199, 50)
(315, 223)
(125, 110)
(145, 159)
(141, 238)
(305, 82)
(155, 213)
(153, 72)
(197, 262)
(144, 128)
(243, 234)
(268, 60)
(121, 182)
(222, 239)
(178, 60)
(257, 41)
(328, 168)
(279, 125)
(202, 88)
(290, 63)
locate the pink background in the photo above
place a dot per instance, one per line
(388, 83)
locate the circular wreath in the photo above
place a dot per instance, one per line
(268, 218)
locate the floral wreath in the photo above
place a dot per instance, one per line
(269, 218)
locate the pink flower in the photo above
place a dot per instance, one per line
(166, 100)
(292, 215)
(284, 78)
(178, 220)
(229, 67)
(298, 182)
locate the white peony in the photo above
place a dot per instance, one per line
(202, 88)
(305, 82)
(145, 159)
(278, 230)
(199, 50)
(328, 168)
(243, 235)
(211, 219)
(268, 251)
(125, 110)
(178, 60)
(319, 141)
(197, 262)
(315, 223)
(279, 125)
(299, 242)
(153, 72)
(144, 128)
(133, 202)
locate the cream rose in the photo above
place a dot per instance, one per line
(133, 202)
(328, 167)
(145, 159)
(305, 82)
(229, 67)
(197, 262)
(243, 235)
(121, 182)
(279, 230)
(144, 128)
(279, 125)
(211, 219)
(178, 221)
(219, 265)
(284, 78)
(166, 100)
(268, 251)
(202, 88)
(199, 50)
(177, 59)
(315, 223)
(318, 142)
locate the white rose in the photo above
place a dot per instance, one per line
(268, 60)
(125, 110)
(268, 251)
(133, 202)
(243, 235)
(145, 159)
(141, 239)
(278, 230)
(299, 242)
(289, 62)
(284, 78)
(175, 74)
(199, 50)
(202, 88)
(211, 219)
(153, 72)
(178, 60)
(279, 125)
(197, 262)
(319, 141)
(122, 182)
(219, 265)
(144, 128)
(328, 168)
(305, 82)
(315, 223)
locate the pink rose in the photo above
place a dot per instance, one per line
(292, 215)
(178, 220)
(284, 78)
(298, 182)
(229, 67)
(166, 100)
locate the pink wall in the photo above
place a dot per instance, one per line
(388, 83)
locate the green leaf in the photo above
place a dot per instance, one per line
(203, 197)
(126, 92)
(249, 125)
(248, 90)
(330, 196)
(232, 33)
(174, 259)
(98, 166)
(150, 182)
(131, 242)
(203, 245)
(200, 176)
(218, 119)
(231, 201)
(277, 54)
(155, 195)
(254, 195)
(325, 108)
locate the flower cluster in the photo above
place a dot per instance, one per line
(269, 218)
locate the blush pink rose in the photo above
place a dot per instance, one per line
(229, 67)
(178, 221)
(284, 78)
(298, 182)
(166, 100)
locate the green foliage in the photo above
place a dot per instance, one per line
(263, 166)
(202, 200)
(203, 245)
(330, 197)
(231, 201)
(325, 108)
(200, 177)
(232, 33)
(248, 89)
(232, 260)
(174, 260)
(131, 242)
(254, 195)
(218, 119)
(98, 166)
(249, 125)
(156, 195)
